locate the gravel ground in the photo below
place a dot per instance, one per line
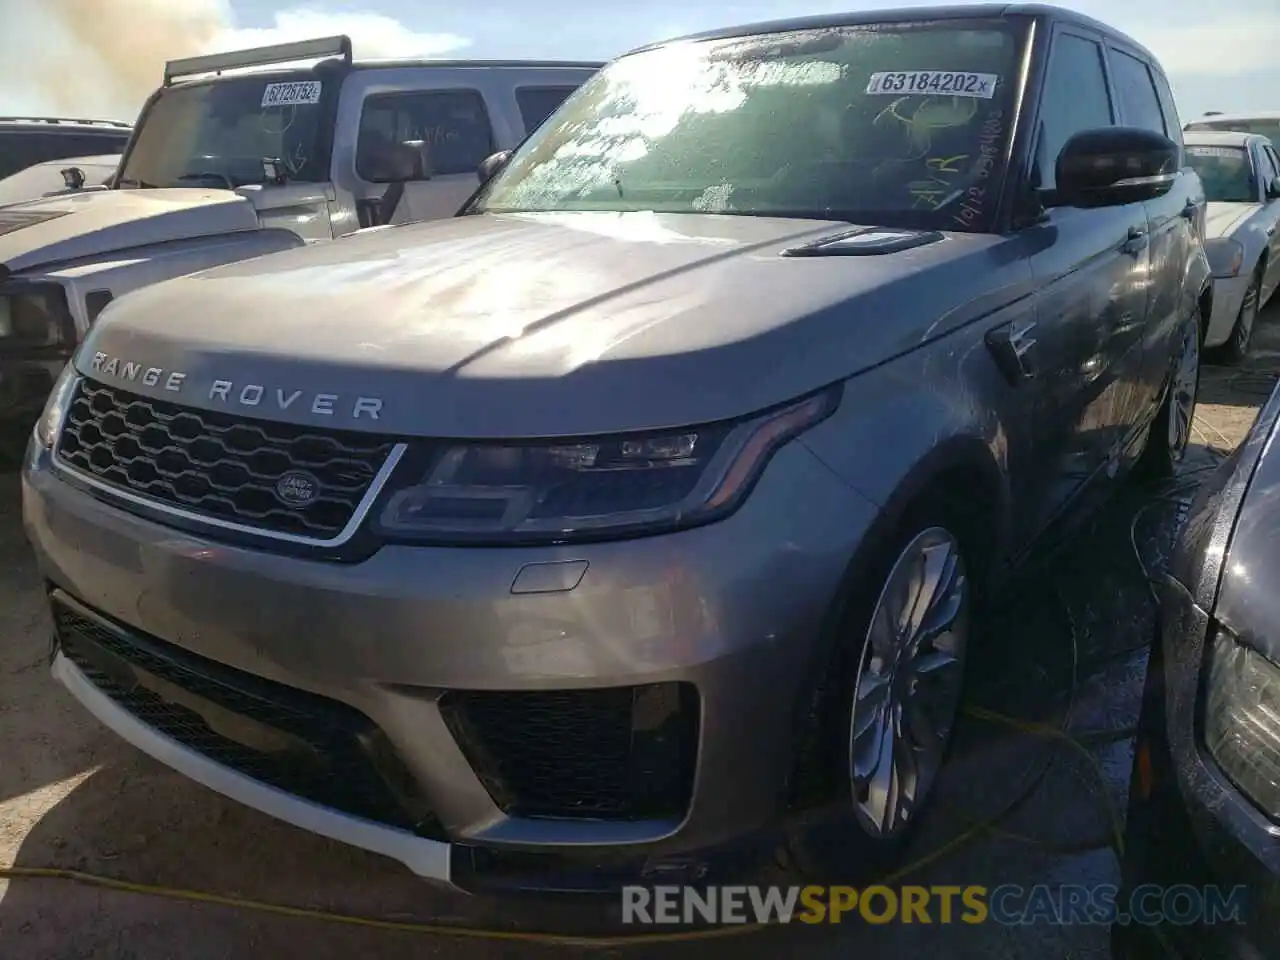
(73, 796)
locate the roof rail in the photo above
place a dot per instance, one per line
(259, 56)
(73, 120)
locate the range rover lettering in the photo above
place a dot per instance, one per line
(654, 496)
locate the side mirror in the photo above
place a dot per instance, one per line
(1273, 189)
(73, 178)
(420, 164)
(1112, 166)
(274, 171)
(491, 165)
(402, 162)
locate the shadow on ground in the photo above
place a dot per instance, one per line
(1086, 614)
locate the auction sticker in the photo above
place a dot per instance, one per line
(942, 83)
(1226, 153)
(290, 94)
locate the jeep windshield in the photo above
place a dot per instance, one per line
(217, 133)
(900, 125)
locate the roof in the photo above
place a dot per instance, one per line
(98, 160)
(950, 11)
(1219, 138)
(42, 122)
(1235, 117)
(483, 64)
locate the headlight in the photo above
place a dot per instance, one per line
(35, 316)
(55, 408)
(1242, 719)
(552, 491)
(1226, 257)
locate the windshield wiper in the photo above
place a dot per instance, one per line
(134, 183)
(208, 175)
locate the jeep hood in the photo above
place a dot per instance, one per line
(1221, 219)
(543, 325)
(60, 229)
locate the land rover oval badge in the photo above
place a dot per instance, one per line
(298, 489)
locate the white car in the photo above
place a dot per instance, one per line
(1266, 123)
(47, 179)
(1241, 176)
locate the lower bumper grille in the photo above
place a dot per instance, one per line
(618, 753)
(305, 745)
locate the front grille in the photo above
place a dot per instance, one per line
(615, 753)
(305, 745)
(219, 465)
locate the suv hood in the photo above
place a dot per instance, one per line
(542, 325)
(57, 229)
(1221, 219)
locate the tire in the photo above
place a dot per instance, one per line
(862, 826)
(1170, 432)
(1237, 347)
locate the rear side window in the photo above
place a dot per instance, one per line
(1139, 103)
(1075, 98)
(21, 149)
(538, 103)
(452, 125)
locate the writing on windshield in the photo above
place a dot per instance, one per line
(217, 134)
(897, 124)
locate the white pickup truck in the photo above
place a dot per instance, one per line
(245, 153)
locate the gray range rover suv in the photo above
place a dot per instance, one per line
(647, 503)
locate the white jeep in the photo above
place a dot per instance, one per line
(245, 153)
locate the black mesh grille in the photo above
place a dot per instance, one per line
(220, 465)
(617, 753)
(305, 745)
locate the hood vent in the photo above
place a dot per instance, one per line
(865, 242)
(11, 220)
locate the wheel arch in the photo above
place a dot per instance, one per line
(961, 477)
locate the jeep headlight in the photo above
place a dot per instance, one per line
(1242, 719)
(55, 408)
(1225, 256)
(559, 490)
(35, 316)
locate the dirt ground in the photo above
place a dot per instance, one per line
(73, 796)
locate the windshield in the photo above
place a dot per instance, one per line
(217, 134)
(1226, 173)
(903, 125)
(1263, 127)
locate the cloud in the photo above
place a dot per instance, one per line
(103, 57)
(1230, 47)
(372, 34)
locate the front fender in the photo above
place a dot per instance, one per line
(924, 419)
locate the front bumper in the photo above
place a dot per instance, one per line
(1190, 825)
(731, 611)
(1228, 296)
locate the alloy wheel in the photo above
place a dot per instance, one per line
(1182, 400)
(909, 682)
(1248, 316)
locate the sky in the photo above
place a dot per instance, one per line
(101, 57)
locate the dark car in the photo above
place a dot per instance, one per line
(1204, 804)
(646, 503)
(25, 141)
